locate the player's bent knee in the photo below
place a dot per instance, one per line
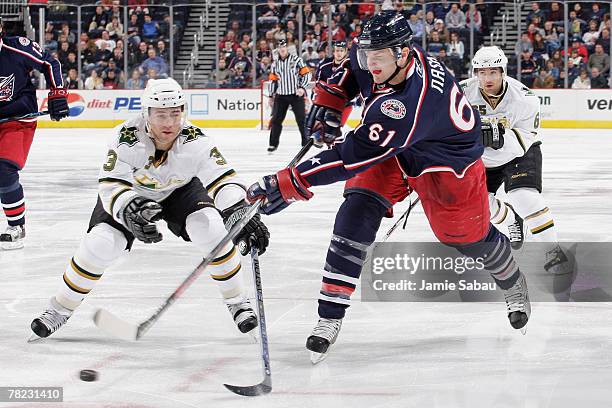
(367, 209)
(101, 247)
(526, 201)
(205, 228)
(9, 176)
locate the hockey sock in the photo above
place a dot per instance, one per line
(205, 228)
(357, 222)
(530, 205)
(502, 215)
(11, 194)
(98, 250)
(494, 248)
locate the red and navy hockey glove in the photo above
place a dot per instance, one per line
(279, 190)
(58, 103)
(324, 121)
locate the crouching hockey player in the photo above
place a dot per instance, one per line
(160, 167)
(512, 154)
(417, 131)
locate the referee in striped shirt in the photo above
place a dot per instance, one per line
(288, 79)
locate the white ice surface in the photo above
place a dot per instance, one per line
(388, 354)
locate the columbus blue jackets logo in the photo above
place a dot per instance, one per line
(393, 109)
(7, 85)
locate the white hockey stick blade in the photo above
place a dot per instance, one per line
(113, 325)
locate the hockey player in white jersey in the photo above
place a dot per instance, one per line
(512, 154)
(161, 167)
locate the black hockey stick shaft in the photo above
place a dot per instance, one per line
(403, 217)
(265, 386)
(399, 221)
(26, 116)
(146, 325)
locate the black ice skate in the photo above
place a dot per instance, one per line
(323, 336)
(243, 315)
(557, 262)
(12, 238)
(54, 317)
(517, 304)
(515, 232)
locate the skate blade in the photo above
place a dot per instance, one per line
(253, 336)
(316, 358)
(11, 246)
(34, 338)
(524, 331)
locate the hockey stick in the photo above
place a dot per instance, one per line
(26, 116)
(394, 226)
(265, 386)
(398, 222)
(118, 327)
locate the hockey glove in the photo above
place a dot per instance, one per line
(323, 125)
(492, 135)
(324, 120)
(139, 215)
(255, 230)
(58, 103)
(279, 190)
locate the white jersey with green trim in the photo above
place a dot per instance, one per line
(518, 110)
(134, 167)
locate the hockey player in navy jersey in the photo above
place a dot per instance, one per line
(18, 57)
(328, 66)
(417, 131)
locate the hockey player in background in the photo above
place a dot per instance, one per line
(417, 131)
(328, 66)
(18, 57)
(161, 167)
(512, 154)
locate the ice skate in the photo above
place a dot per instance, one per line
(557, 262)
(515, 232)
(12, 238)
(323, 336)
(517, 304)
(54, 317)
(244, 316)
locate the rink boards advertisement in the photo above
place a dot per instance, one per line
(234, 108)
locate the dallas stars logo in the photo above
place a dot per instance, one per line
(128, 136)
(191, 133)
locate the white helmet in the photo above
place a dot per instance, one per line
(489, 57)
(162, 93)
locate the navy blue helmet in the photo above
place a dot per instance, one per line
(387, 29)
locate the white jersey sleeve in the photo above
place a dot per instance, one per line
(526, 124)
(116, 175)
(219, 178)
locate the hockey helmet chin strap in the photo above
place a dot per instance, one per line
(501, 90)
(398, 68)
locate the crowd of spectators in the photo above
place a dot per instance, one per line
(540, 51)
(104, 42)
(444, 26)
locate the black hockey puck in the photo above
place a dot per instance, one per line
(88, 375)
